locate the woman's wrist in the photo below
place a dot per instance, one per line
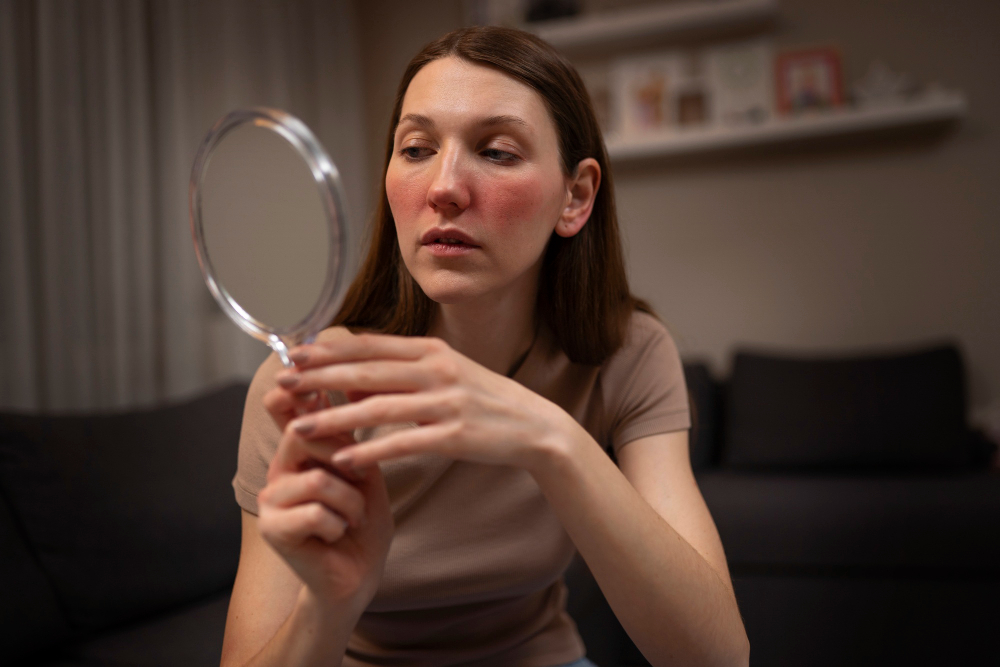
(324, 625)
(315, 633)
(553, 451)
(326, 611)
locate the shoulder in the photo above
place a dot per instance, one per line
(645, 335)
(259, 437)
(643, 383)
(264, 379)
(333, 333)
(643, 325)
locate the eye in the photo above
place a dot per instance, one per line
(414, 152)
(497, 155)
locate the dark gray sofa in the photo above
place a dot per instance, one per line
(860, 514)
(119, 535)
(860, 523)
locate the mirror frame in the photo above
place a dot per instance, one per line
(327, 180)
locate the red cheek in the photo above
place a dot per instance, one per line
(509, 204)
(406, 197)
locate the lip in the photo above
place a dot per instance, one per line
(431, 236)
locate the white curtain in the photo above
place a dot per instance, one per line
(102, 106)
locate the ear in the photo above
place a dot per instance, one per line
(581, 189)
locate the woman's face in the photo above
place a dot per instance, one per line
(475, 182)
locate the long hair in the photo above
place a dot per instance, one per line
(583, 293)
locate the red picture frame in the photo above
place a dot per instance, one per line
(808, 80)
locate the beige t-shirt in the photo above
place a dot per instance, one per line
(474, 572)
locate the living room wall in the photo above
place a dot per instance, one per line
(882, 244)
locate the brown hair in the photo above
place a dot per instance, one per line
(583, 293)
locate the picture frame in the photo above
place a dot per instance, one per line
(657, 93)
(740, 78)
(808, 80)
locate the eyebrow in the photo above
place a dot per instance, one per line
(424, 121)
(503, 120)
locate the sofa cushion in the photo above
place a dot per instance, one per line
(190, 636)
(703, 393)
(30, 619)
(857, 523)
(869, 622)
(866, 412)
(128, 513)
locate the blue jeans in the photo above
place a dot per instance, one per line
(582, 662)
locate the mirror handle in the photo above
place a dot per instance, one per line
(279, 346)
(281, 349)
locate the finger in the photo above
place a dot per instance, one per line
(437, 438)
(296, 453)
(295, 525)
(362, 347)
(365, 376)
(421, 408)
(317, 485)
(284, 405)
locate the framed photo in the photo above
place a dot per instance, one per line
(808, 80)
(741, 82)
(658, 92)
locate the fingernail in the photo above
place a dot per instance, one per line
(342, 458)
(289, 381)
(305, 427)
(299, 357)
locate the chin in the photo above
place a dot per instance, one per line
(450, 291)
(448, 296)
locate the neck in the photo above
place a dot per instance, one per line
(495, 332)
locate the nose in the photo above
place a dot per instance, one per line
(449, 191)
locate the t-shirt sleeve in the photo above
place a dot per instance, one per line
(644, 383)
(259, 438)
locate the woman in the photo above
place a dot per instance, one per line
(507, 356)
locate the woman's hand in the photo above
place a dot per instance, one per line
(333, 528)
(284, 406)
(462, 410)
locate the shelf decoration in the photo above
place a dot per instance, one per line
(718, 97)
(740, 77)
(725, 85)
(658, 92)
(880, 86)
(809, 80)
(931, 107)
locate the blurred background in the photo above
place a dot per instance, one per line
(834, 243)
(796, 180)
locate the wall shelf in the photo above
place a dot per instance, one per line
(653, 21)
(932, 108)
(639, 24)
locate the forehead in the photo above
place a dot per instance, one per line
(451, 89)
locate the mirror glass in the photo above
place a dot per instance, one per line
(265, 230)
(268, 225)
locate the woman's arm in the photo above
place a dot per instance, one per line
(272, 619)
(650, 542)
(309, 564)
(652, 547)
(314, 542)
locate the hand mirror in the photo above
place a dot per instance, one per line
(267, 217)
